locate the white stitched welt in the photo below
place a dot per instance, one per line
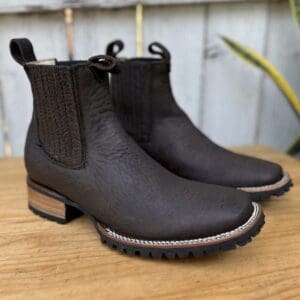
(256, 209)
(284, 180)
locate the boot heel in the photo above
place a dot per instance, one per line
(45, 203)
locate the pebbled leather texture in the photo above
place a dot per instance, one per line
(121, 185)
(171, 138)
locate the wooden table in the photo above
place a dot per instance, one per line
(43, 260)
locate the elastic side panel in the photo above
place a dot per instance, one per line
(57, 113)
(131, 90)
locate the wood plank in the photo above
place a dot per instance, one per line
(44, 260)
(94, 29)
(231, 91)
(47, 33)
(24, 6)
(278, 125)
(182, 31)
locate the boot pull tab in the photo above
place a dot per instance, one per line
(103, 63)
(114, 48)
(163, 51)
(22, 51)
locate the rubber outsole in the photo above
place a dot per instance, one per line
(259, 196)
(173, 253)
(169, 253)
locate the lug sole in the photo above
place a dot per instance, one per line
(54, 207)
(265, 192)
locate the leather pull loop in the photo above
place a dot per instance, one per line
(103, 63)
(22, 51)
(114, 48)
(163, 51)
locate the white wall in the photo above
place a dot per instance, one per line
(229, 100)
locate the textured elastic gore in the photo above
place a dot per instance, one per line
(131, 91)
(57, 113)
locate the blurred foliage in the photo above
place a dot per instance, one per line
(295, 8)
(261, 62)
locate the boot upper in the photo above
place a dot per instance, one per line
(77, 148)
(145, 105)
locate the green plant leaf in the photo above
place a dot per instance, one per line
(294, 148)
(295, 8)
(261, 62)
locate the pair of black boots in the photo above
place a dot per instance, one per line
(126, 155)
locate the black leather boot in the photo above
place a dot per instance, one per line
(145, 105)
(80, 160)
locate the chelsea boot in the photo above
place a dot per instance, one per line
(144, 103)
(80, 160)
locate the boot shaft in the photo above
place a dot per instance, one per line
(63, 95)
(142, 92)
(57, 112)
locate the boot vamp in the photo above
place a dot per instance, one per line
(183, 149)
(151, 202)
(126, 190)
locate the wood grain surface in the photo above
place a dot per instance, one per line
(43, 260)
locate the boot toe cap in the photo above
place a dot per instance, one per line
(262, 173)
(226, 210)
(253, 172)
(270, 174)
(232, 213)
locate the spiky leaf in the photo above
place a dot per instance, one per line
(295, 8)
(261, 62)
